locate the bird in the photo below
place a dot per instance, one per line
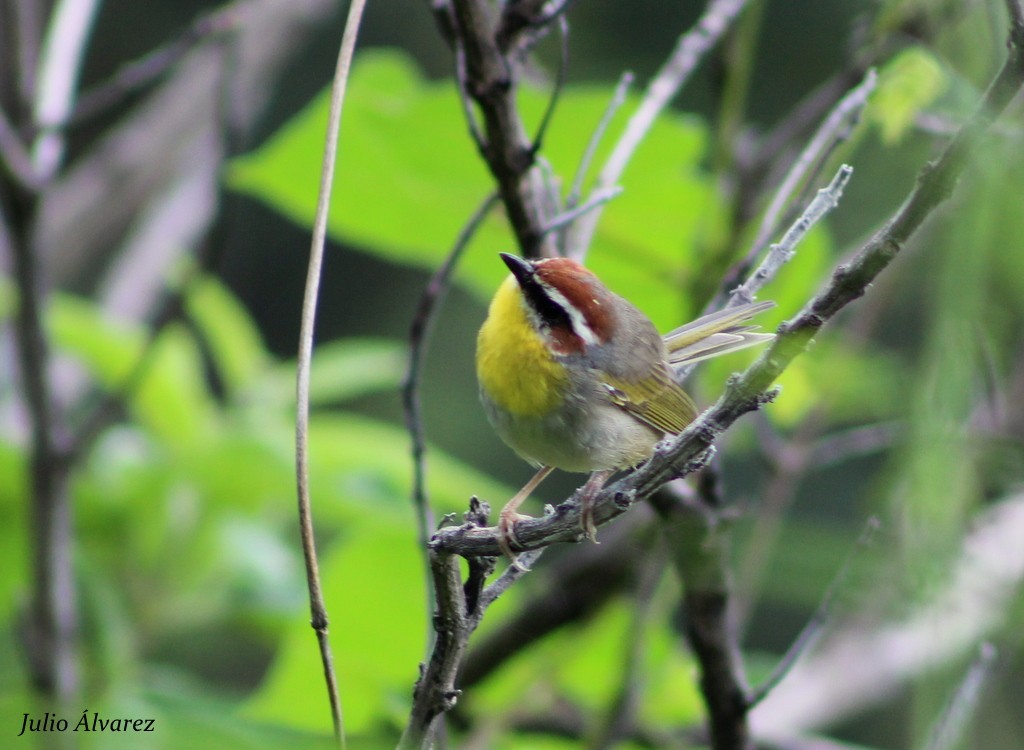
(572, 376)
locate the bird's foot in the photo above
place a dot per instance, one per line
(507, 536)
(587, 520)
(586, 502)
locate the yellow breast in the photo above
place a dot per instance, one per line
(513, 365)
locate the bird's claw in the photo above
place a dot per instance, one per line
(587, 522)
(507, 537)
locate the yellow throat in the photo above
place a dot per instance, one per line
(513, 365)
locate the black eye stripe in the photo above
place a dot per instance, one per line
(550, 312)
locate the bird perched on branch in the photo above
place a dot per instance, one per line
(574, 377)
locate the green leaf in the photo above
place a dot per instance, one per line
(349, 368)
(583, 663)
(404, 185)
(671, 693)
(232, 336)
(14, 547)
(184, 715)
(908, 83)
(171, 399)
(409, 178)
(373, 578)
(364, 464)
(535, 741)
(340, 371)
(577, 661)
(7, 297)
(244, 470)
(374, 587)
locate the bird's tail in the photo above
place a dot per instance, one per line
(716, 333)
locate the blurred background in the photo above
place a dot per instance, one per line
(173, 234)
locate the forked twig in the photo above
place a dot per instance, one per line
(831, 131)
(782, 252)
(570, 215)
(488, 77)
(614, 105)
(840, 119)
(673, 75)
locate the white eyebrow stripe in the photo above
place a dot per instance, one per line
(576, 319)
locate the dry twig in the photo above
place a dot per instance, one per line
(690, 50)
(318, 610)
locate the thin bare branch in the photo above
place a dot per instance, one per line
(50, 632)
(614, 105)
(949, 729)
(670, 79)
(419, 339)
(782, 252)
(465, 100)
(835, 128)
(147, 70)
(60, 65)
(815, 627)
(318, 610)
(567, 217)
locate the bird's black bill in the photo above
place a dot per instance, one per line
(549, 310)
(521, 269)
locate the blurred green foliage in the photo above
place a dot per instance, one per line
(185, 522)
(191, 578)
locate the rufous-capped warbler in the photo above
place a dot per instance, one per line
(574, 377)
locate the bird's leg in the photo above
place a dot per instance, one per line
(587, 495)
(508, 516)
